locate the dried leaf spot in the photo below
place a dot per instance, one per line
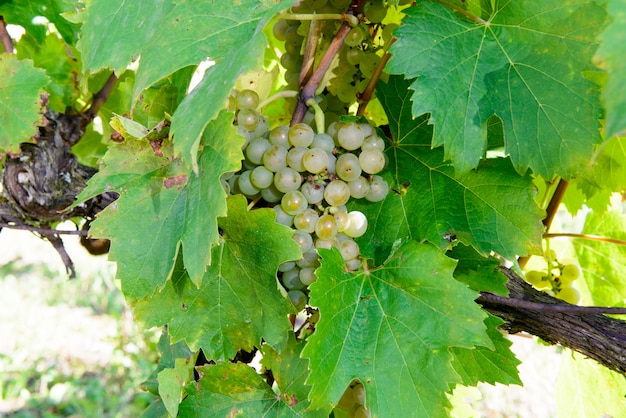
(175, 181)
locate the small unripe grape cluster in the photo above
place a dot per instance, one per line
(558, 279)
(353, 401)
(308, 178)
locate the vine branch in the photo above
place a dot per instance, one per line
(7, 42)
(585, 236)
(26, 227)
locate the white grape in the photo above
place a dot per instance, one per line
(357, 226)
(293, 202)
(282, 217)
(350, 136)
(291, 279)
(306, 220)
(337, 193)
(313, 192)
(287, 179)
(261, 177)
(255, 150)
(271, 194)
(307, 276)
(304, 240)
(315, 160)
(275, 158)
(372, 160)
(245, 184)
(279, 136)
(347, 167)
(301, 135)
(323, 141)
(359, 188)
(326, 227)
(378, 189)
(294, 158)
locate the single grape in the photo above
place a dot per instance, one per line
(291, 279)
(347, 167)
(353, 264)
(291, 34)
(359, 188)
(304, 240)
(287, 179)
(342, 219)
(538, 279)
(355, 37)
(350, 136)
(282, 217)
(354, 55)
(313, 192)
(301, 135)
(373, 141)
(326, 243)
(298, 299)
(372, 160)
(275, 158)
(293, 202)
(245, 184)
(279, 29)
(323, 141)
(337, 193)
(326, 227)
(315, 160)
(306, 220)
(290, 62)
(378, 189)
(271, 194)
(349, 250)
(368, 64)
(294, 158)
(569, 295)
(374, 11)
(570, 273)
(279, 136)
(357, 226)
(262, 127)
(248, 119)
(307, 276)
(247, 99)
(255, 150)
(261, 177)
(286, 266)
(309, 259)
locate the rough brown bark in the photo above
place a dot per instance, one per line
(595, 335)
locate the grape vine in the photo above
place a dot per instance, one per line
(320, 216)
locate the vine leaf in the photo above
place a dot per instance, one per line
(238, 302)
(230, 390)
(231, 36)
(162, 206)
(610, 56)
(173, 380)
(480, 364)
(524, 65)
(115, 32)
(290, 371)
(20, 101)
(491, 208)
(392, 329)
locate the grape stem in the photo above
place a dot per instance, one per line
(587, 237)
(464, 13)
(279, 95)
(553, 206)
(366, 96)
(348, 18)
(320, 122)
(308, 91)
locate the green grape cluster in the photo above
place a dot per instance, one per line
(308, 178)
(353, 401)
(557, 278)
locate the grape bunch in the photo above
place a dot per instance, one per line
(557, 278)
(308, 178)
(353, 401)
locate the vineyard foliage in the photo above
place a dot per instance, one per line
(483, 105)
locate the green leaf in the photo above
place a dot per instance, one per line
(60, 63)
(586, 389)
(162, 205)
(479, 273)
(115, 32)
(238, 302)
(20, 101)
(602, 263)
(610, 56)
(235, 390)
(609, 169)
(491, 208)
(290, 371)
(524, 64)
(481, 364)
(391, 328)
(20, 12)
(232, 36)
(173, 380)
